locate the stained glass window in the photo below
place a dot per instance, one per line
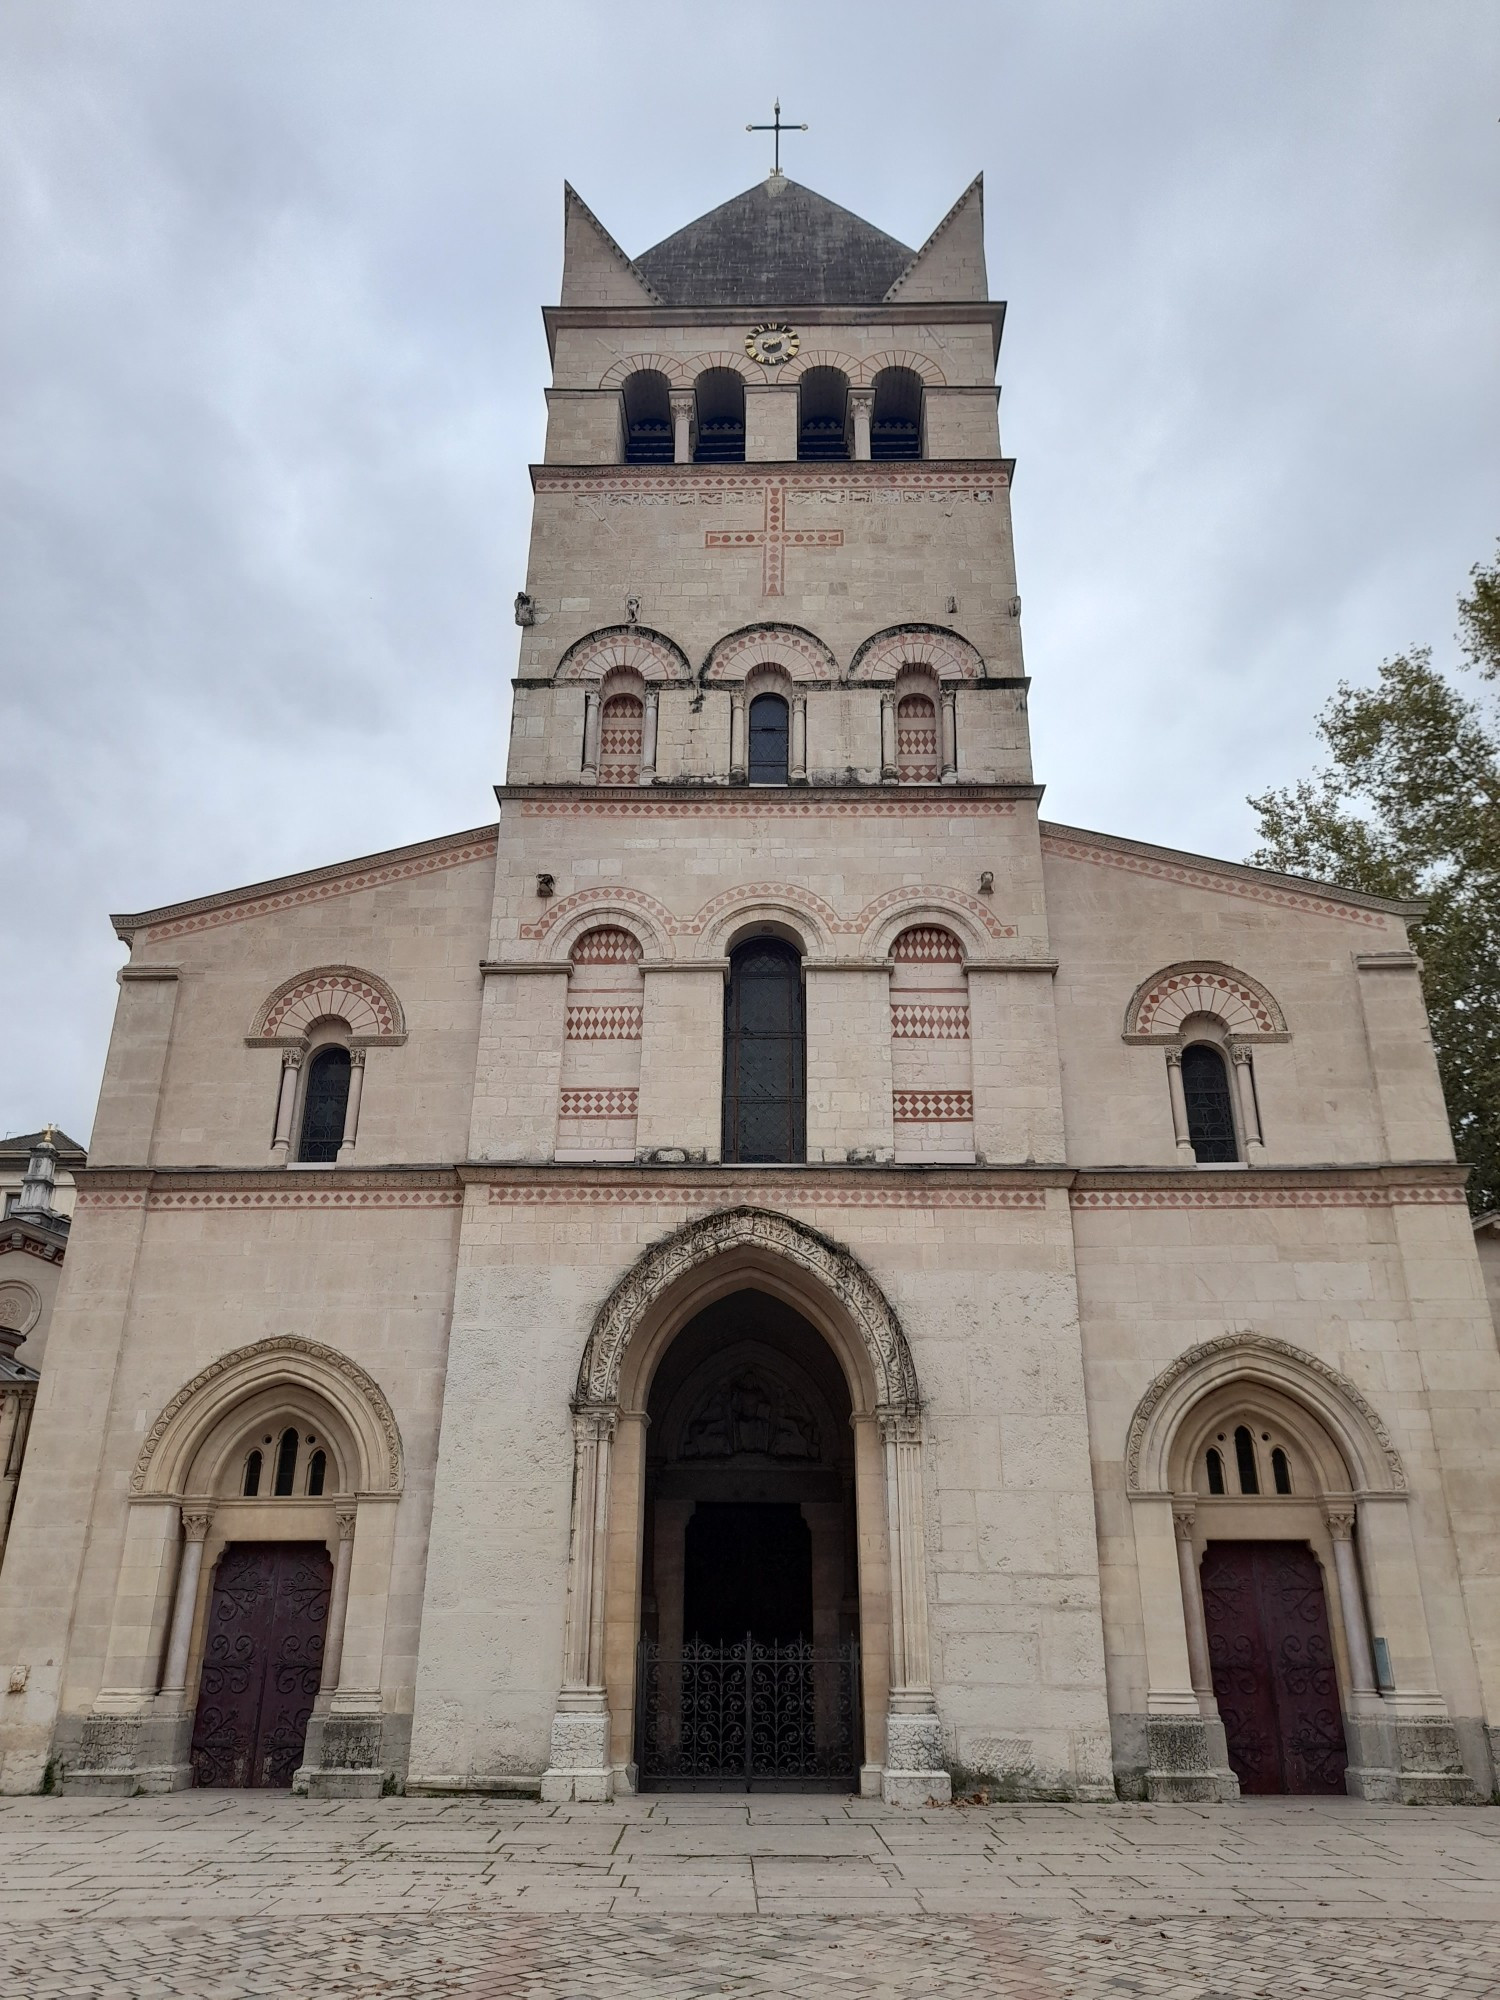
(324, 1105)
(1210, 1112)
(764, 1056)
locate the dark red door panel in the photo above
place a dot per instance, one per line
(262, 1660)
(1273, 1666)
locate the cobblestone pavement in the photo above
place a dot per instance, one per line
(249, 1896)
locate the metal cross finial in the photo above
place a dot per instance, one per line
(778, 128)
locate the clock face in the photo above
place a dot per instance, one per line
(771, 344)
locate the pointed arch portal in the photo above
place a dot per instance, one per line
(840, 1347)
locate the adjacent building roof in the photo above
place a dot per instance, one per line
(18, 1148)
(781, 242)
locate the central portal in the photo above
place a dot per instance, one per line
(749, 1668)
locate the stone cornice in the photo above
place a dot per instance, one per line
(1234, 878)
(726, 801)
(836, 1184)
(313, 885)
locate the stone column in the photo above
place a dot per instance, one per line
(580, 1766)
(286, 1102)
(739, 764)
(797, 767)
(1352, 1603)
(590, 771)
(888, 737)
(682, 426)
(351, 1106)
(1199, 1669)
(861, 408)
(1185, 1154)
(914, 1771)
(338, 1603)
(1186, 1756)
(949, 765)
(1244, 1077)
(195, 1528)
(648, 738)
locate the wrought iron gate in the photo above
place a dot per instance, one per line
(753, 1715)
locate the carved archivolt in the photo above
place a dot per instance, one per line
(1161, 1004)
(624, 648)
(1356, 1427)
(364, 1003)
(679, 373)
(799, 655)
(284, 1359)
(901, 357)
(777, 1236)
(940, 651)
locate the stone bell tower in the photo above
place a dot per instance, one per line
(768, 943)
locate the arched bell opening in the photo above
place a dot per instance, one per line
(749, 1659)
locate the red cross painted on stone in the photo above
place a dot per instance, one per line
(773, 539)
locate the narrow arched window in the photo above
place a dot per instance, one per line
(317, 1473)
(770, 738)
(1210, 1110)
(251, 1485)
(621, 722)
(1244, 1459)
(648, 418)
(325, 1105)
(823, 414)
(764, 1054)
(1215, 1469)
(286, 1464)
(720, 398)
(1281, 1471)
(896, 419)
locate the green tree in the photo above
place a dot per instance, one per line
(1409, 806)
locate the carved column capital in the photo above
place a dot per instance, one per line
(1184, 1514)
(1340, 1521)
(346, 1517)
(292, 1058)
(1174, 1058)
(682, 403)
(900, 1423)
(196, 1523)
(1240, 1053)
(595, 1423)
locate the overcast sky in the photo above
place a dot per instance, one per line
(271, 362)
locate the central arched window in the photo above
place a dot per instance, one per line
(1210, 1108)
(324, 1106)
(720, 400)
(765, 1117)
(770, 740)
(823, 414)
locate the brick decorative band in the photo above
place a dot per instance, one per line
(308, 1195)
(913, 1022)
(598, 1103)
(603, 1024)
(758, 805)
(1267, 1197)
(781, 1194)
(932, 1107)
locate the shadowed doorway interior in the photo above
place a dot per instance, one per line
(749, 1669)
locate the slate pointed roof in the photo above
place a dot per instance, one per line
(779, 243)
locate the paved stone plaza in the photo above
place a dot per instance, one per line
(239, 1895)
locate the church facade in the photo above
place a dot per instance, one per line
(773, 1264)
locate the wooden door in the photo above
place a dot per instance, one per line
(1273, 1666)
(262, 1661)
